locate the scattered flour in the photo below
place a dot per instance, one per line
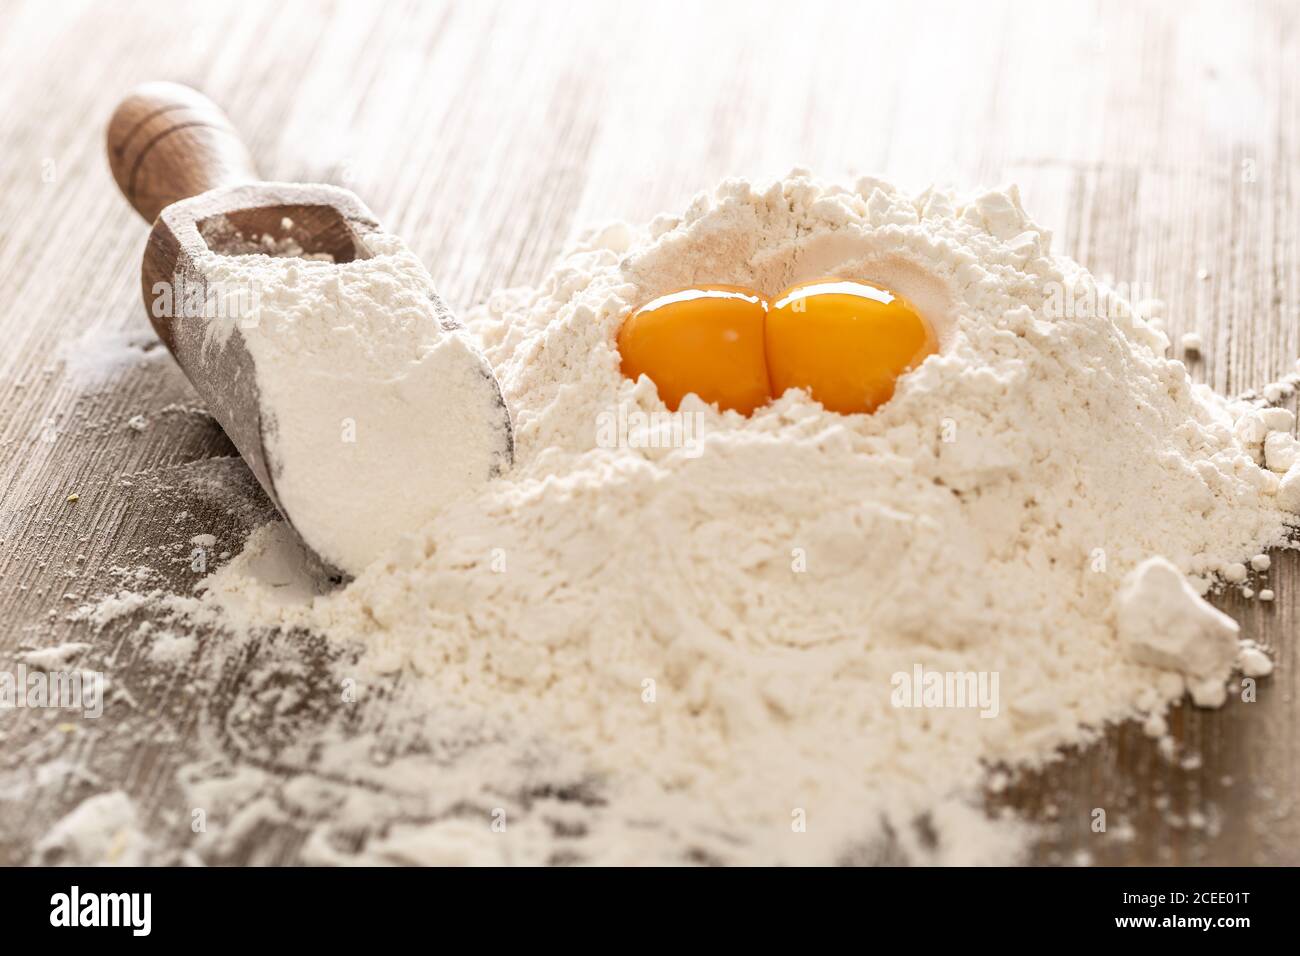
(717, 629)
(108, 609)
(169, 648)
(102, 830)
(1254, 662)
(101, 353)
(54, 658)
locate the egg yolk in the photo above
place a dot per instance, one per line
(707, 340)
(846, 342)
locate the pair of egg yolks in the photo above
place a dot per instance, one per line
(845, 341)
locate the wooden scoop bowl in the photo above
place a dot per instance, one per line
(183, 167)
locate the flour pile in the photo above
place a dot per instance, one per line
(719, 612)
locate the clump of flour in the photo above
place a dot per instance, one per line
(719, 627)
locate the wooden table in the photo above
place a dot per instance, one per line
(1161, 144)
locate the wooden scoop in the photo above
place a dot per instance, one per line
(181, 164)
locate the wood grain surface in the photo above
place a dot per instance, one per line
(1160, 143)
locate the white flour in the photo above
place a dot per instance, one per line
(375, 407)
(719, 627)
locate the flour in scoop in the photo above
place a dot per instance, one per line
(376, 409)
(775, 637)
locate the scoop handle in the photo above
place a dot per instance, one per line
(168, 142)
